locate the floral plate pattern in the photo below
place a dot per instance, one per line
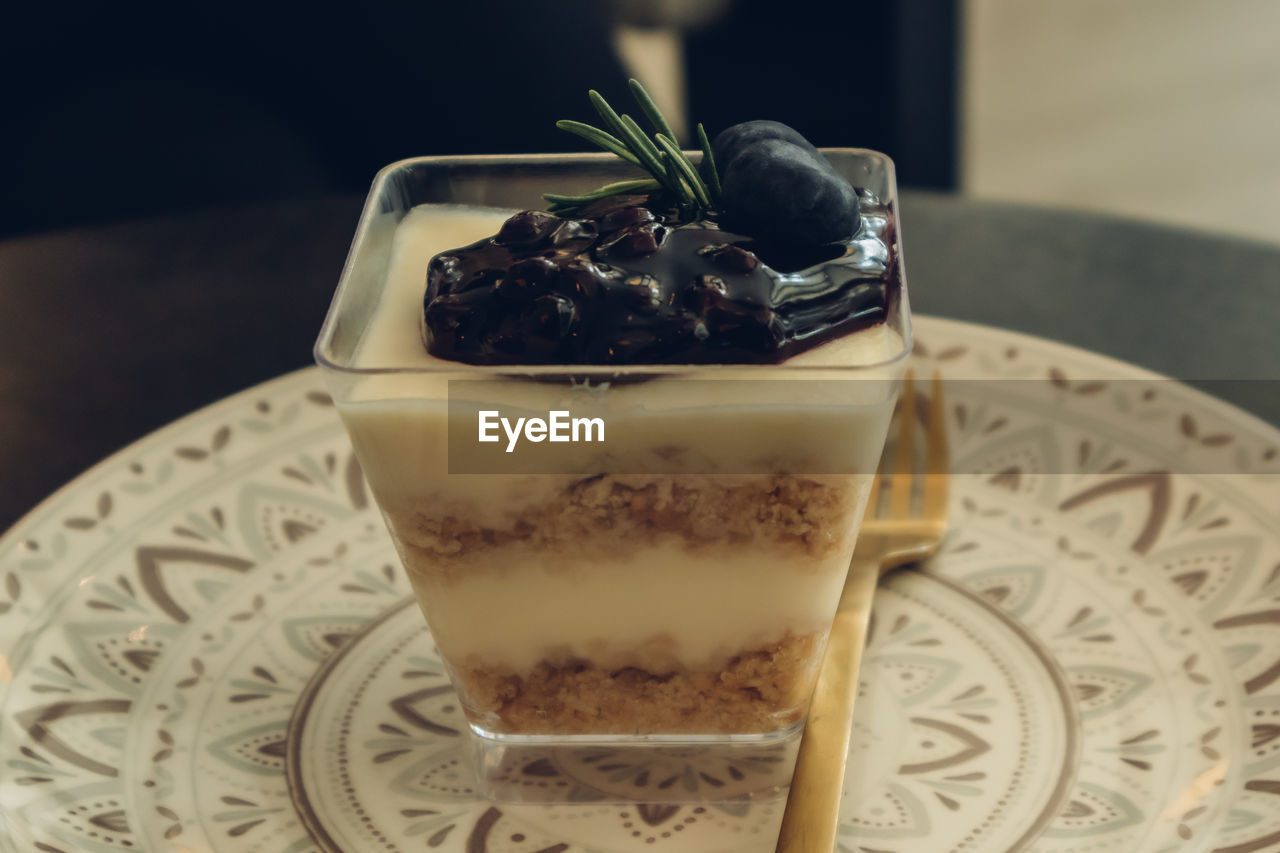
(205, 645)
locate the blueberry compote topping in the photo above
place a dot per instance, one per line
(628, 282)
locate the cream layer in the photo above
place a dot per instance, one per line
(659, 609)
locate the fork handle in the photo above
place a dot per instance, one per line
(813, 804)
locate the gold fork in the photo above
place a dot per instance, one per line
(908, 528)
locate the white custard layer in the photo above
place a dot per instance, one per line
(658, 609)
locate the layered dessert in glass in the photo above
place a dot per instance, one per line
(669, 571)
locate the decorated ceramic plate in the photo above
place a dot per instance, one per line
(205, 645)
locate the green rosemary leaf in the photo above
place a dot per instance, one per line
(607, 114)
(709, 161)
(629, 134)
(598, 137)
(651, 158)
(686, 170)
(655, 116)
(672, 180)
(617, 188)
(646, 184)
(637, 133)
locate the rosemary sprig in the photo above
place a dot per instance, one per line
(560, 202)
(650, 157)
(709, 161)
(595, 135)
(650, 109)
(671, 169)
(686, 170)
(607, 113)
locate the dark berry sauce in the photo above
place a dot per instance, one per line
(631, 284)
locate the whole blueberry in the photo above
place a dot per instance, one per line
(777, 191)
(732, 141)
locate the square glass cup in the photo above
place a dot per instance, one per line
(669, 575)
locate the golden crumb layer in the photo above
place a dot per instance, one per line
(758, 691)
(597, 517)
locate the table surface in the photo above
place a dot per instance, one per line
(109, 333)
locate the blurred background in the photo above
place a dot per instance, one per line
(180, 182)
(137, 109)
(1162, 109)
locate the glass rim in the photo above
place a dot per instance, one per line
(386, 171)
(449, 368)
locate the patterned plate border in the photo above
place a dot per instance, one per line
(96, 520)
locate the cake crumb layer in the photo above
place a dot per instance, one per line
(757, 691)
(592, 518)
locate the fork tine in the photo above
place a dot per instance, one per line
(937, 465)
(900, 487)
